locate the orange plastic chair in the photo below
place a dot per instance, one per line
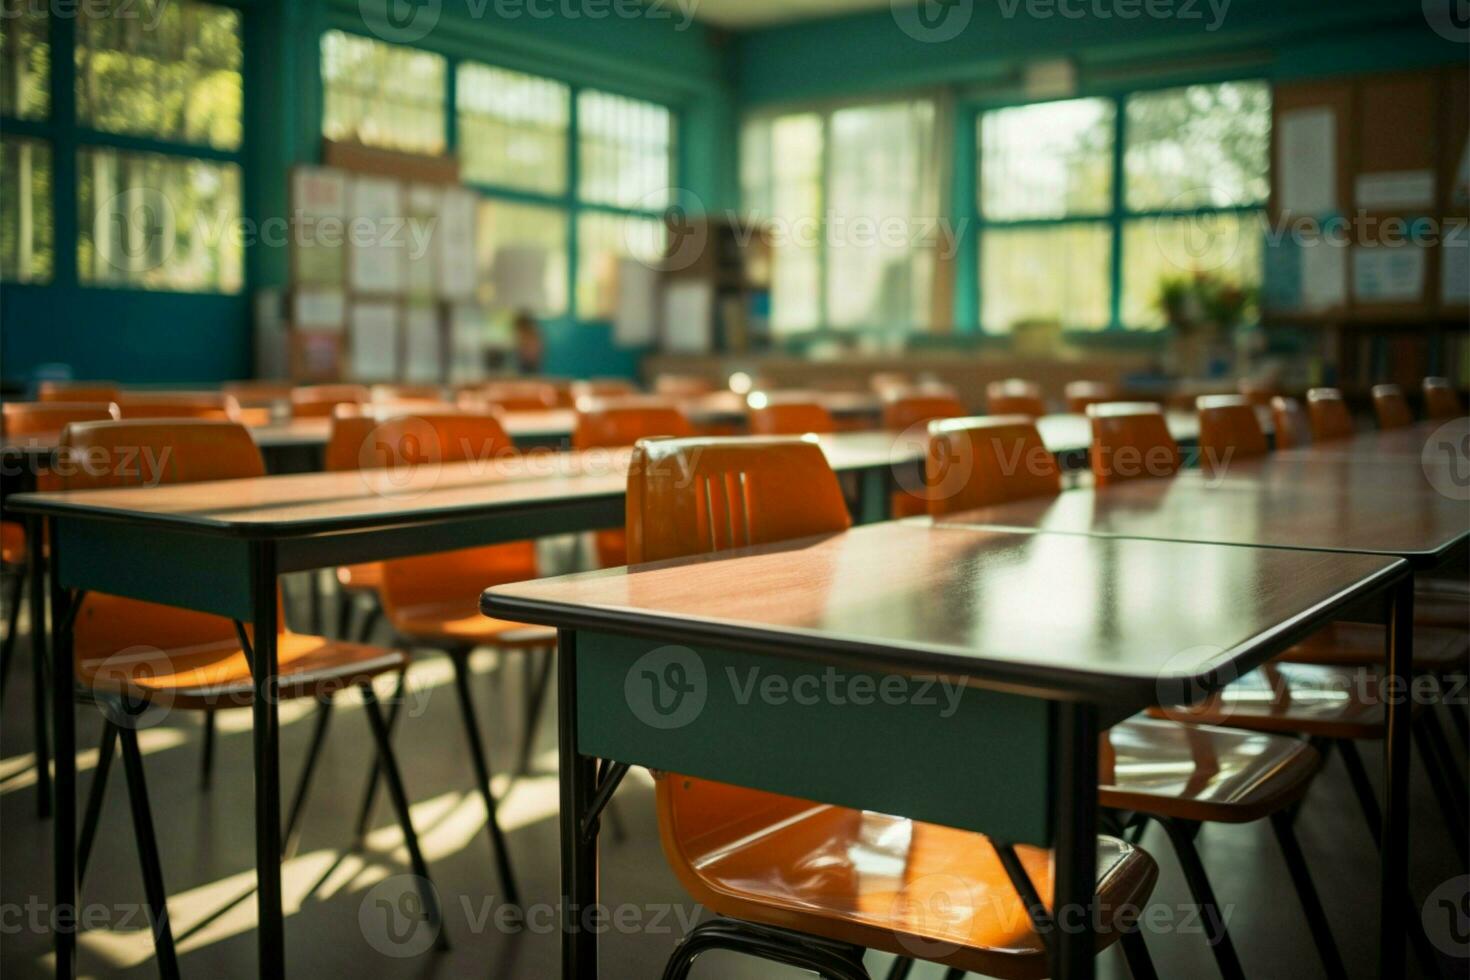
(615, 423)
(161, 405)
(1130, 440)
(1391, 407)
(131, 654)
(904, 410)
(1257, 393)
(602, 388)
(78, 391)
(1014, 396)
(1081, 395)
(682, 385)
(782, 868)
(1328, 414)
(519, 396)
(788, 415)
(318, 401)
(981, 462)
(386, 393)
(1228, 429)
(1293, 431)
(1441, 401)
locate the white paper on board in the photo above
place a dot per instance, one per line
(1454, 271)
(454, 243)
(1395, 189)
(1323, 276)
(1389, 274)
(319, 309)
(373, 341)
(688, 316)
(379, 238)
(1306, 163)
(635, 319)
(422, 357)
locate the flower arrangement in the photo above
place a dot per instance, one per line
(1203, 302)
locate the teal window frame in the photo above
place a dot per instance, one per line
(66, 137)
(969, 299)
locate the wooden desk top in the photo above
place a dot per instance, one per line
(1319, 516)
(1047, 613)
(553, 423)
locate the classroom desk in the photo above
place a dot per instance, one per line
(1047, 631)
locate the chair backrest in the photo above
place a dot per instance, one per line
(405, 393)
(318, 401)
(1014, 396)
(1228, 429)
(519, 396)
(455, 577)
(49, 418)
(779, 415)
(77, 391)
(257, 393)
(351, 428)
(910, 407)
(693, 496)
(623, 421)
(162, 405)
(1441, 401)
(682, 385)
(1080, 395)
(1257, 391)
(1130, 440)
(1391, 407)
(603, 388)
(978, 462)
(148, 452)
(1328, 414)
(1293, 431)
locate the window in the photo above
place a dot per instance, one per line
(624, 151)
(602, 241)
(382, 95)
(510, 238)
(1053, 226)
(26, 227)
(25, 60)
(175, 79)
(158, 221)
(512, 129)
(851, 200)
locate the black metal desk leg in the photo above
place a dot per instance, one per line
(63, 711)
(270, 929)
(578, 849)
(1075, 819)
(36, 569)
(1397, 723)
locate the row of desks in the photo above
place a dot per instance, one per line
(894, 598)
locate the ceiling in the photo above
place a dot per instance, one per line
(746, 14)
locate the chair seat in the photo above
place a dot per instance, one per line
(1442, 603)
(460, 623)
(216, 675)
(1361, 645)
(365, 577)
(1304, 699)
(898, 885)
(12, 543)
(1203, 773)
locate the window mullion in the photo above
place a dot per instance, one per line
(1115, 270)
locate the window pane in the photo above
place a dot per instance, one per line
(603, 239)
(881, 215)
(25, 210)
(512, 129)
(158, 222)
(1059, 273)
(25, 60)
(1227, 245)
(625, 151)
(513, 239)
(1199, 146)
(781, 180)
(166, 70)
(1050, 160)
(382, 95)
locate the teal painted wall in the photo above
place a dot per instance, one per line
(136, 335)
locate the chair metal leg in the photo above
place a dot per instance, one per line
(389, 766)
(1135, 951)
(163, 937)
(344, 613)
(535, 699)
(901, 968)
(954, 973)
(292, 836)
(1439, 763)
(12, 627)
(827, 959)
(1296, 864)
(1363, 788)
(370, 622)
(365, 812)
(206, 758)
(1181, 835)
(95, 796)
(482, 776)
